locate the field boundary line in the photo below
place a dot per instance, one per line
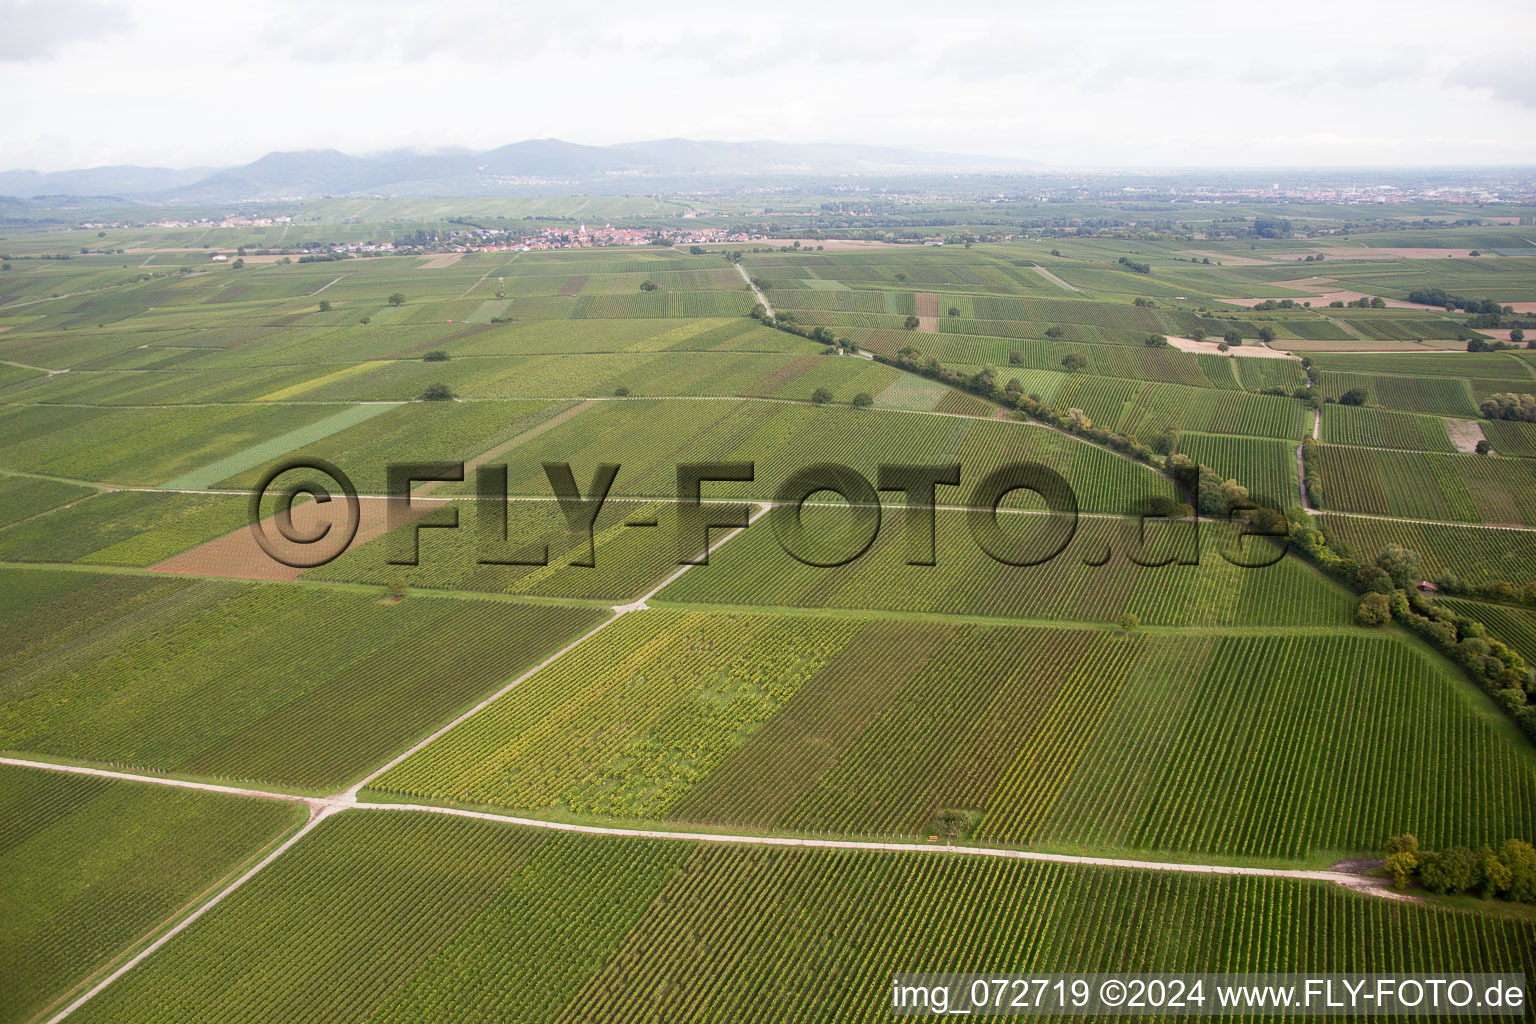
(345, 800)
(162, 780)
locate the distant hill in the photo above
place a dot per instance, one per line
(519, 166)
(98, 181)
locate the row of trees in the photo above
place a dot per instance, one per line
(1509, 406)
(1391, 577)
(1388, 593)
(1269, 304)
(1506, 873)
(1440, 297)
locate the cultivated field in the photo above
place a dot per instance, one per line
(752, 787)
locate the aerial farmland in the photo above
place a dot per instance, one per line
(750, 581)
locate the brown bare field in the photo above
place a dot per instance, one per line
(1362, 346)
(1465, 434)
(237, 555)
(438, 262)
(927, 311)
(1323, 298)
(1225, 257)
(1522, 307)
(1212, 347)
(1501, 334)
(573, 285)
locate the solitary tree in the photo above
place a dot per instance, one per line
(954, 310)
(1129, 622)
(863, 400)
(1516, 335)
(325, 305)
(911, 323)
(821, 396)
(397, 299)
(437, 355)
(1266, 334)
(1354, 396)
(1055, 332)
(950, 824)
(1015, 357)
(648, 285)
(1374, 610)
(1074, 361)
(1233, 336)
(438, 392)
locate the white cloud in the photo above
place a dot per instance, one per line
(33, 30)
(1509, 77)
(1114, 83)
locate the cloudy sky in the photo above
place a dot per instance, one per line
(1071, 83)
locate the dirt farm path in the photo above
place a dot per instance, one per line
(323, 807)
(755, 291)
(1054, 279)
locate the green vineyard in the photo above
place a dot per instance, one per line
(89, 866)
(498, 753)
(141, 674)
(565, 928)
(1065, 738)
